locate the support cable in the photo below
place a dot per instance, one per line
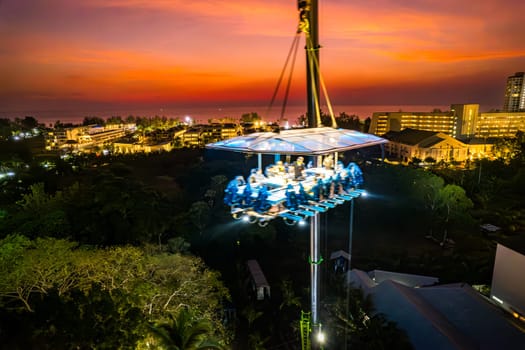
(293, 51)
(303, 28)
(313, 57)
(310, 53)
(287, 92)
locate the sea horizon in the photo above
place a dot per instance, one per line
(203, 114)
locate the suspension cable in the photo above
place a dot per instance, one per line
(310, 53)
(287, 91)
(293, 51)
(313, 58)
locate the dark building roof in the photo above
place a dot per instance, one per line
(479, 141)
(406, 279)
(410, 136)
(452, 316)
(431, 141)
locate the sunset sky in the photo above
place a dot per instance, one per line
(128, 54)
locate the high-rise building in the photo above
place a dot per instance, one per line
(515, 93)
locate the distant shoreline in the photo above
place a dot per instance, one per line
(203, 114)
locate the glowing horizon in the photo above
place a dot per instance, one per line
(140, 53)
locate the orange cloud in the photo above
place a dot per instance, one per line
(154, 50)
(455, 56)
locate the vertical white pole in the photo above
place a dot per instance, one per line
(349, 266)
(314, 266)
(351, 233)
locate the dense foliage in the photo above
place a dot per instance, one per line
(60, 289)
(107, 209)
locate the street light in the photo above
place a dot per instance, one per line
(321, 337)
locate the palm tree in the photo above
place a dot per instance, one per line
(186, 332)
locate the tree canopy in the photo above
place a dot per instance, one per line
(139, 285)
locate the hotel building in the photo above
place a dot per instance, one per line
(383, 122)
(460, 121)
(463, 122)
(465, 119)
(500, 124)
(515, 93)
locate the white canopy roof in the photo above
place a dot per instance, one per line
(309, 141)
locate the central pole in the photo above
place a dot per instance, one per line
(312, 93)
(312, 50)
(308, 14)
(314, 266)
(349, 267)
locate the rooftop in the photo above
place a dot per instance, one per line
(410, 136)
(452, 316)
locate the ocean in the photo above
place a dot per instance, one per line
(203, 114)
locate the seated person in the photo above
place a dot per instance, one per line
(270, 171)
(276, 169)
(231, 195)
(240, 180)
(281, 169)
(355, 174)
(338, 184)
(328, 162)
(256, 177)
(303, 197)
(328, 187)
(261, 203)
(317, 190)
(291, 198)
(298, 168)
(247, 199)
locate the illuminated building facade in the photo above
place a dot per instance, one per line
(409, 143)
(84, 137)
(500, 124)
(515, 93)
(130, 147)
(55, 138)
(465, 118)
(200, 135)
(463, 121)
(383, 122)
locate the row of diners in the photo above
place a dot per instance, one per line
(292, 191)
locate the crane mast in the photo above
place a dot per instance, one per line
(308, 23)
